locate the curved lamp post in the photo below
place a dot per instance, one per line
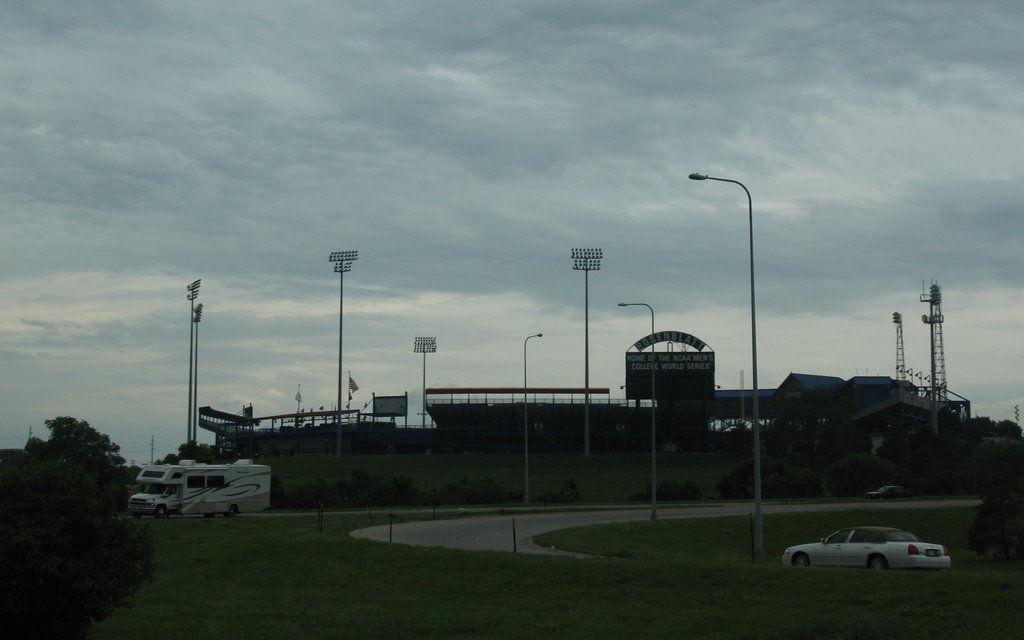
(526, 427)
(758, 525)
(654, 450)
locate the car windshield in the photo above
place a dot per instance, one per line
(900, 536)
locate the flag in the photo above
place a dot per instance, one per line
(352, 386)
(298, 394)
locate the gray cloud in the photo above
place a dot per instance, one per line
(464, 148)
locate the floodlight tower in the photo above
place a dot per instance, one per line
(193, 293)
(196, 317)
(934, 320)
(342, 264)
(424, 345)
(586, 260)
(901, 364)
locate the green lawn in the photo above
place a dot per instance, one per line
(601, 478)
(279, 577)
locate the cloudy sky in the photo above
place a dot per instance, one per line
(464, 148)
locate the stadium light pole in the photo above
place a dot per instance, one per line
(654, 456)
(526, 426)
(424, 345)
(586, 260)
(196, 317)
(193, 293)
(342, 264)
(758, 524)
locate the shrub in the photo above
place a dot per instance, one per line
(476, 491)
(777, 481)
(793, 483)
(998, 526)
(672, 490)
(569, 493)
(858, 473)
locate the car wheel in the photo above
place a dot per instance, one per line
(801, 560)
(878, 562)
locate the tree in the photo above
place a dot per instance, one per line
(202, 453)
(859, 472)
(818, 427)
(777, 481)
(68, 559)
(998, 525)
(74, 441)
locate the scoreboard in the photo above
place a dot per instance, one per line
(678, 376)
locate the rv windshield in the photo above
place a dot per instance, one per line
(157, 488)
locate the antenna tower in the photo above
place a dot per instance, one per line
(901, 364)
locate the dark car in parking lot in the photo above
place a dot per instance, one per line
(889, 491)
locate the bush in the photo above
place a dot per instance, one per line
(858, 473)
(569, 493)
(394, 491)
(312, 495)
(476, 491)
(671, 490)
(793, 483)
(998, 526)
(777, 481)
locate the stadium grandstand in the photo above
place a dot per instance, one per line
(490, 419)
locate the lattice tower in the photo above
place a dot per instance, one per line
(901, 364)
(934, 320)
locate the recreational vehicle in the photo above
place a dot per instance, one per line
(192, 488)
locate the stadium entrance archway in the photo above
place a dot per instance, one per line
(683, 389)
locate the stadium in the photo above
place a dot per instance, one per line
(690, 412)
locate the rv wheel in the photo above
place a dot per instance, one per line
(232, 511)
(161, 512)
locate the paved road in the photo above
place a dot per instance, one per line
(495, 532)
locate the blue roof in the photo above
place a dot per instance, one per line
(810, 381)
(866, 380)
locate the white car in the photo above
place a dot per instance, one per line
(871, 547)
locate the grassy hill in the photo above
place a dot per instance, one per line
(600, 478)
(281, 576)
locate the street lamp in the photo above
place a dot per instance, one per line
(758, 525)
(526, 426)
(586, 260)
(193, 293)
(654, 457)
(196, 317)
(424, 346)
(342, 264)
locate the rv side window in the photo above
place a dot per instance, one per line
(196, 482)
(215, 481)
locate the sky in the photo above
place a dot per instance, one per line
(464, 148)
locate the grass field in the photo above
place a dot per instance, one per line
(279, 577)
(600, 478)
